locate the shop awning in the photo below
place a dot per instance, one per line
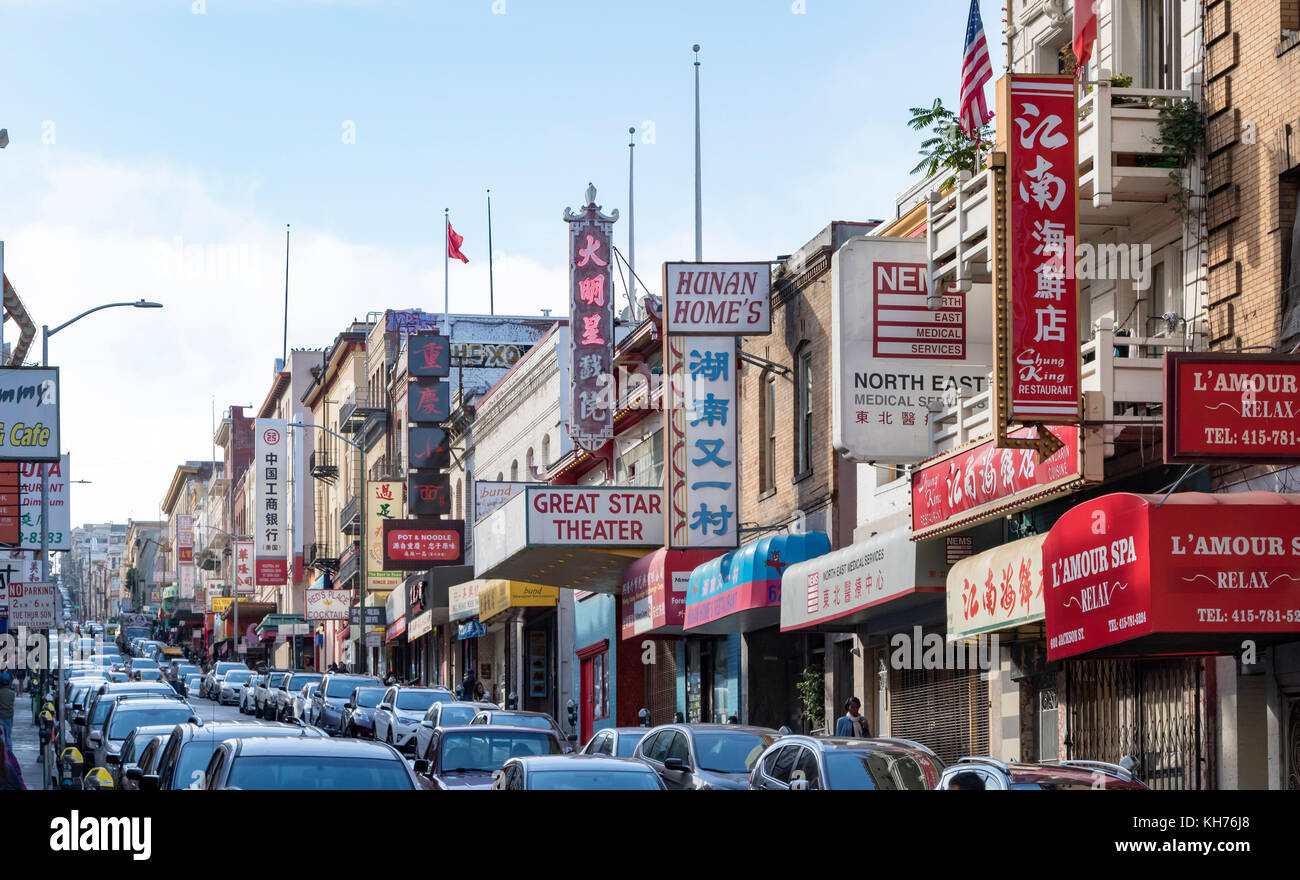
(1130, 575)
(841, 590)
(249, 612)
(741, 591)
(289, 623)
(654, 591)
(997, 590)
(497, 597)
(462, 600)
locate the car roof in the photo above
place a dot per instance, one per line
(288, 746)
(151, 704)
(576, 762)
(717, 728)
(484, 729)
(146, 730)
(234, 729)
(622, 730)
(435, 688)
(527, 713)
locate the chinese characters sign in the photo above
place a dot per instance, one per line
(1042, 358)
(591, 326)
(184, 538)
(997, 589)
(429, 493)
(702, 484)
(428, 401)
(1232, 407)
(60, 528)
(428, 448)
(985, 481)
(709, 298)
(269, 522)
(384, 503)
(415, 544)
(244, 567)
(428, 354)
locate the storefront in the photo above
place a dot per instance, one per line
(734, 662)
(524, 616)
(395, 651)
(427, 619)
(289, 637)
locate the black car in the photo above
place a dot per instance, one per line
(190, 746)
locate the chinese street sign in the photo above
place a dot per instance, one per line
(428, 448)
(269, 522)
(591, 325)
(429, 493)
(718, 298)
(384, 503)
(701, 476)
(244, 567)
(428, 401)
(1225, 408)
(428, 354)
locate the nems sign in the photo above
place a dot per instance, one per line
(1232, 408)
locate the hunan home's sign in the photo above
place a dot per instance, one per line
(1222, 408)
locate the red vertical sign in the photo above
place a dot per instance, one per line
(1042, 191)
(591, 325)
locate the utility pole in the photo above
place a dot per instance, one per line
(699, 230)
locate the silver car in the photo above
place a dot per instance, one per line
(264, 692)
(231, 685)
(283, 698)
(400, 711)
(247, 692)
(212, 681)
(451, 714)
(704, 756)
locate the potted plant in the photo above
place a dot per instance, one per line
(1122, 81)
(811, 688)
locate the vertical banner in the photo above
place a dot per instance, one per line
(244, 568)
(1041, 359)
(187, 577)
(591, 325)
(269, 522)
(701, 477)
(184, 539)
(383, 503)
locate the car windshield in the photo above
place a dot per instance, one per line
(141, 663)
(239, 676)
(591, 780)
(225, 666)
(627, 744)
(319, 773)
(730, 752)
(343, 687)
(419, 701)
(486, 752)
(127, 719)
(451, 715)
(275, 679)
(299, 680)
(870, 771)
(368, 698)
(537, 721)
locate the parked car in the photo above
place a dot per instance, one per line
(846, 763)
(132, 749)
(453, 714)
(127, 715)
(300, 706)
(100, 704)
(1058, 776)
(228, 691)
(186, 753)
(212, 681)
(247, 691)
(267, 685)
(334, 690)
(145, 762)
(139, 664)
(521, 718)
(461, 758)
(290, 686)
(300, 763)
(577, 773)
(400, 711)
(193, 684)
(704, 756)
(620, 742)
(359, 712)
(148, 675)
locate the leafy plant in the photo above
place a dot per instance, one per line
(811, 688)
(1181, 137)
(948, 146)
(1121, 80)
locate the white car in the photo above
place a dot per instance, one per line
(300, 707)
(248, 693)
(229, 689)
(401, 710)
(452, 714)
(265, 690)
(212, 681)
(283, 706)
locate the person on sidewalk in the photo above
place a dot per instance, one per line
(7, 697)
(11, 774)
(851, 723)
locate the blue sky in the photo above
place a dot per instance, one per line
(172, 129)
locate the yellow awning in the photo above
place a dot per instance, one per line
(497, 596)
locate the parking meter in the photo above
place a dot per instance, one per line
(71, 766)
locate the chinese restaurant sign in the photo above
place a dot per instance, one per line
(428, 354)
(713, 298)
(1042, 357)
(244, 567)
(184, 538)
(702, 473)
(384, 503)
(60, 528)
(428, 401)
(1124, 566)
(1226, 408)
(269, 522)
(29, 414)
(591, 325)
(429, 493)
(416, 544)
(981, 482)
(997, 589)
(427, 448)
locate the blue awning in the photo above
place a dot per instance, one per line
(741, 590)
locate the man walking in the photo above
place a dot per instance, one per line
(7, 697)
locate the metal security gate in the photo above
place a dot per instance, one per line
(947, 710)
(1150, 709)
(1292, 741)
(661, 683)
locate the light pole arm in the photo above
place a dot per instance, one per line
(354, 444)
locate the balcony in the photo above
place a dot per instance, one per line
(321, 557)
(323, 466)
(350, 517)
(1119, 178)
(356, 411)
(388, 467)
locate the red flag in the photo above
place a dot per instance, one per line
(1085, 32)
(454, 242)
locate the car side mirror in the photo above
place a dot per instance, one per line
(348, 706)
(133, 772)
(421, 765)
(675, 764)
(149, 782)
(113, 759)
(386, 707)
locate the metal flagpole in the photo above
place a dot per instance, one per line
(491, 288)
(284, 346)
(699, 235)
(631, 234)
(446, 247)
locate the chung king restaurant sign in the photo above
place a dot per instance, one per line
(1232, 408)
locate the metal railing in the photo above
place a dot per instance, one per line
(388, 467)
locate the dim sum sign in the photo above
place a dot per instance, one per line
(29, 414)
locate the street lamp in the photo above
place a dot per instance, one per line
(365, 554)
(46, 333)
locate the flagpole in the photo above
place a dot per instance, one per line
(631, 234)
(446, 248)
(284, 349)
(491, 288)
(699, 236)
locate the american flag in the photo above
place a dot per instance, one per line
(976, 70)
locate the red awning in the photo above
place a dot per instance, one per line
(654, 591)
(1186, 573)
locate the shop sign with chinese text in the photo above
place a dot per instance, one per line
(718, 298)
(415, 544)
(60, 528)
(998, 589)
(428, 401)
(384, 503)
(427, 447)
(980, 482)
(591, 325)
(184, 538)
(1042, 356)
(428, 355)
(429, 493)
(269, 522)
(1223, 408)
(244, 567)
(701, 472)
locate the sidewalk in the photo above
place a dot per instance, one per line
(25, 744)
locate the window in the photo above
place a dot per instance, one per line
(546, 450)
(807, 765)
(1161, 44)
(778, 765)
(658, 749)
(514, 470)
(803, 413)
(528, 464)
(767, 418)
(678, 748)
(600, 685)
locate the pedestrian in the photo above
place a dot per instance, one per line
(467, 687)
(966, 782)
(391, 678)
(11, 774)
(852, 723)
(7, 697)
(480, 692)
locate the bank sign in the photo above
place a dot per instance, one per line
(1224, 408)
(892, 355)
(29, 414)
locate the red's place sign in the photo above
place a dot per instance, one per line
(416, 544)
(1232, 407)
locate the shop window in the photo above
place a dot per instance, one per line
(600, 685)
(804, 413)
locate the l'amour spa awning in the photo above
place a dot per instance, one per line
(741, 591)
(1190, 572)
